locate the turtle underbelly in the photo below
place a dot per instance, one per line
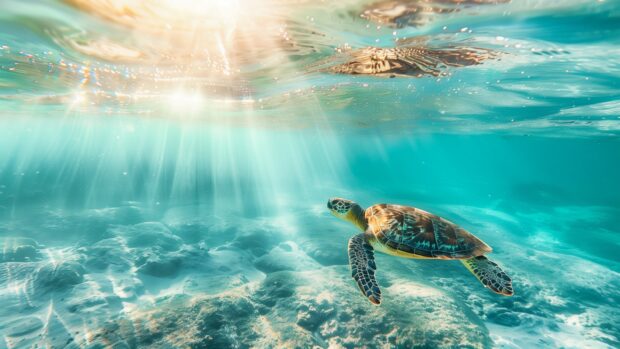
(380, 247)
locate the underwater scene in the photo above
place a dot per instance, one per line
(309, 174)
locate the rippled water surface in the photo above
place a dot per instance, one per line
(165, 167)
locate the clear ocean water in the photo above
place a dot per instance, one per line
(165, 168)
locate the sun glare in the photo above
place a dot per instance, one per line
(186, 101)
(187, 45)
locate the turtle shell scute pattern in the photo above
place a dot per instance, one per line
(420, 233)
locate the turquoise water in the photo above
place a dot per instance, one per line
(165, 168)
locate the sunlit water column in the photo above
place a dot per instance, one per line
(92, 161)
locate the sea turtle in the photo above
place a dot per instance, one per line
(410, 232)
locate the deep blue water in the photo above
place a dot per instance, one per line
(165, 168)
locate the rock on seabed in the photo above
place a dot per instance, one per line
(320, 308)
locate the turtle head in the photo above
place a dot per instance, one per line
(348, 210)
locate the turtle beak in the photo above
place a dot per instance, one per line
(329, 204)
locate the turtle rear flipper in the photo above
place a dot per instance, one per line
(490, 274)
(362, 262)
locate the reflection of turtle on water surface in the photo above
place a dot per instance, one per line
(409, 232)
(410, 60)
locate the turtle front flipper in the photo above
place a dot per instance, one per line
(490, 274)
(362, 261)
